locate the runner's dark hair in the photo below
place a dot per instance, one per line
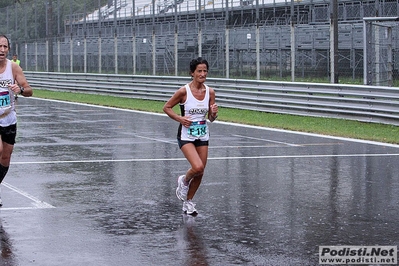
(8, 40)
(195, 62)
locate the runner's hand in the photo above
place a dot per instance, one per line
(185, 121)
(214, 109)
(14, 88)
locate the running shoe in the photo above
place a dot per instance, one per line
(184, 208)
(181, 190)
(191, 208)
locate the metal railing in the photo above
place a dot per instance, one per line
(354, 102)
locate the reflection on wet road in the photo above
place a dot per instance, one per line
(96, 186)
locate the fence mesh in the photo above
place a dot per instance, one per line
(240, 39)
(379, 52)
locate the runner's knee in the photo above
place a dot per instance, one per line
(198, 169)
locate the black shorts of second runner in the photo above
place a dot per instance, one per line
(8, 134)
(197, 142)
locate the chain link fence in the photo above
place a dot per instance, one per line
(378, 50)
(262, 39)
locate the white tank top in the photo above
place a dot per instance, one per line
(196, 110)
(7, 99)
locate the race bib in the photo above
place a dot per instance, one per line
(197, 129)
(5, 100)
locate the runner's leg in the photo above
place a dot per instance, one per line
(197, 157)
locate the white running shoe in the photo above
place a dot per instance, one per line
(184, 208)
(191, 208)
(181, 190)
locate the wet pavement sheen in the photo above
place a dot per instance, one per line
(96, 186)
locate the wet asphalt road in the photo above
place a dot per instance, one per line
(96, 186)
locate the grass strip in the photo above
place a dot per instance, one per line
(320, 125)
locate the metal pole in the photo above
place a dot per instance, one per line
(50, 63)
(334, 42)
(36, 67)
(115, 39)
(71, 40)
(85, 55)
(292, 42)
(390, 57)
(365, 53)
(26, 57)
(227, 40)
(154, 69)
(377, 61)
(99, 38)
(153, 40)
(257, 42)
(47, 55)
(35, 18)
(84, 40)
(71, 52)
(15, 28)
(58, 55)
(134, 36)
(199, 30)
(99, 54)
(58, 39)
(176, 41)
(7, 20)
(116, 52)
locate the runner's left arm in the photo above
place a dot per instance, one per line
(213, 107)
(21, 85)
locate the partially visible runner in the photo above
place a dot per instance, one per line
(16, 60)
(12, 82)
(197, 103)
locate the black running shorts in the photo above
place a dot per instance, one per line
(197, 142)
(8, 134)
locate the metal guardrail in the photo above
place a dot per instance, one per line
(362, 103)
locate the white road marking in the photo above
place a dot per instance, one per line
(38, 203)
(20, 208)
(268, 140)
(216, 158)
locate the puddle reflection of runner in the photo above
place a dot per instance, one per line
(194, 247)
(7, 257)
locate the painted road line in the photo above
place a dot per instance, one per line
(300, 156)
(268, 140)
(38, 203)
